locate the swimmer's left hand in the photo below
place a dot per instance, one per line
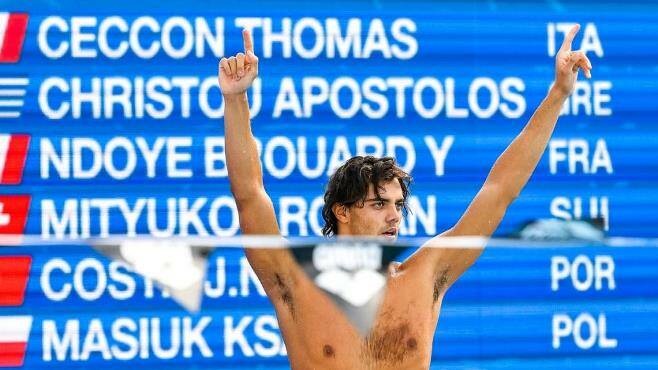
(567, 64)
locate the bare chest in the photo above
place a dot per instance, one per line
(401, 337)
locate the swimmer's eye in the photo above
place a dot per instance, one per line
(378, 204)
(399, 206)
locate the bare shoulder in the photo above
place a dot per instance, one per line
(441, 263)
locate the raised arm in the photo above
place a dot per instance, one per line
(512, 169)
(255, 208)
(235, 76)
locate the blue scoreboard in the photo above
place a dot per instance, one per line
(111, 123)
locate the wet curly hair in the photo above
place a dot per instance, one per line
(349, 185)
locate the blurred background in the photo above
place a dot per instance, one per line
(111, 123)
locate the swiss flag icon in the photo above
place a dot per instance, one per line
(13, 216)
(14, 273)
(13, 152)
(12, 34)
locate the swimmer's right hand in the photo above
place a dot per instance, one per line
(238, 72)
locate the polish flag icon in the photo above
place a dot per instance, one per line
(14, 274)
(12, 35)
(13, 152)
(13, 216)
(13, 339)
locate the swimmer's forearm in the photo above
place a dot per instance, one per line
(514, 167)
(242, 161)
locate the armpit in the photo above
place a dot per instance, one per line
(284, 293)
(440, 283)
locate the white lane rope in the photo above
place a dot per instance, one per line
(274, 242)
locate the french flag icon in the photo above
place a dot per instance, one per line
(13, 152)
(13, 339)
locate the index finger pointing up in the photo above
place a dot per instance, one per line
(248, 43)
(568, 39)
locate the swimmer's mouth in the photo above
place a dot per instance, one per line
(391, 233)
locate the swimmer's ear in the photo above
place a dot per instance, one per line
(341, 212)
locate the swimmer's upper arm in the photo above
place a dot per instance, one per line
(481, 218)
(257, 217)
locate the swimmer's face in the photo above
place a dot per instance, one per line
(377, 216)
